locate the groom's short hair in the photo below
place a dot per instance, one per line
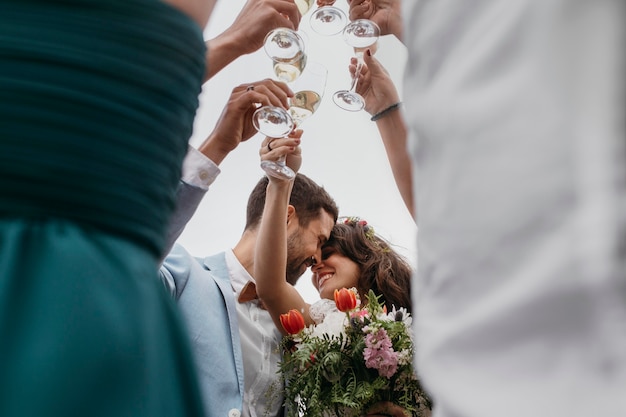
(307, 197)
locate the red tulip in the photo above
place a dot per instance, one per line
(345, 299)
(293, 321)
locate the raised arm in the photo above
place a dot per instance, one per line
(270, 257)
(383, 103)
(235, 123)
(234, 126)
(246, 34)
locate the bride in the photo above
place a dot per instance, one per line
(354, 256)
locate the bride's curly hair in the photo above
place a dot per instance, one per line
(383, 270)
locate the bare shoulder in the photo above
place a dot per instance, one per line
(198, 10)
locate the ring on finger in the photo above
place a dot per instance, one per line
(250, 87)
(269, 148)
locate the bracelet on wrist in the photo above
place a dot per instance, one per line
(384, 112)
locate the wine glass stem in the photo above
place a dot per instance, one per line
(282, 160)
(355, 80)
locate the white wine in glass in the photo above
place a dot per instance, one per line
(309, 89)
(303, 105)
(285, 45)
(286, 49)
(304, 5)
(288, 70)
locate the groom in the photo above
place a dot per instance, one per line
(234, 340)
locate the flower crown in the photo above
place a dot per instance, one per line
(355, 221)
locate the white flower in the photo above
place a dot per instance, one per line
(404, 357)
(406, 317)
(333, 325)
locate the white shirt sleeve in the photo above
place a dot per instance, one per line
(198, 170)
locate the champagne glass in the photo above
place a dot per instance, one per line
(308, 92)
(328, 20)
(360, 34)
(286, 49)
(304, 5)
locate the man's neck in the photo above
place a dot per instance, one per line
(244, 251)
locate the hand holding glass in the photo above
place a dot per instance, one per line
(286, 49)
(309, 89)
(360, 34)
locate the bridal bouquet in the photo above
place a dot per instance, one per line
(357, 356)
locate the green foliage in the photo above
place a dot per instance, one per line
(326, 374)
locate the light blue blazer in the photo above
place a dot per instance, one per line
(202, 290)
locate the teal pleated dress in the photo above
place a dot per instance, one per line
(97, 100)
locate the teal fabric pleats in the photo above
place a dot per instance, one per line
(97, 100)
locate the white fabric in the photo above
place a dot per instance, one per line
(260, 349)
(516, 113)
(320, 309)
(198, 170)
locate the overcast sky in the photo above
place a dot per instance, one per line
(342, 151)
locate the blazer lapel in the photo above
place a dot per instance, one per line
(216, 264)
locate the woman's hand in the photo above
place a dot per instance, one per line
(273, 148)
(374, 85)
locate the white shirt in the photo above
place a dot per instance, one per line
(516, 116)
(263, 390)
(198, 170)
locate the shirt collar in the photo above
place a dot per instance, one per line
(238, 274)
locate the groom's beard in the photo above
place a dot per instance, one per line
(297, 261)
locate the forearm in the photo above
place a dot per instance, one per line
(221, 51)
(393, 132)
(393, 21)
(395, 25)
(270, 258)
(214, 149)
(225, 48)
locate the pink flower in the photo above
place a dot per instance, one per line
(359, 314)
(379, 353)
